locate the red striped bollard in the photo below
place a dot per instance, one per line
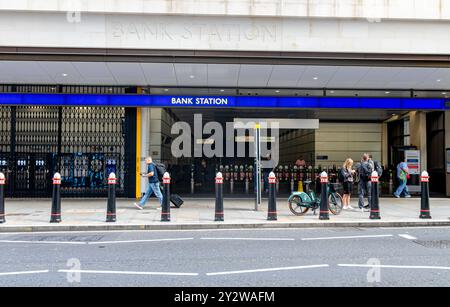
(272, 210)
(2, 198)
(324, 210)
(56, 199)
(165, 210)
(375, 202)
(111, 209)
(425, 196)
(219, 215)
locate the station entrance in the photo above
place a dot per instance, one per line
(303, 153)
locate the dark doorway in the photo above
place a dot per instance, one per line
(436, 151)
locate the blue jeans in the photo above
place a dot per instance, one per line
(152, 188)
(403, 188)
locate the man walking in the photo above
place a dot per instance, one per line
(402, 175)
(365, 170)
(153, 184)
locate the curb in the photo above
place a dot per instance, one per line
(221, 225)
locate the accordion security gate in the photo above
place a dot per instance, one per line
(85, 144)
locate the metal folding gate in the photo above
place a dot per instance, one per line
(85, 144)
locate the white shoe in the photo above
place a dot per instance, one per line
(350, 208)
(138, 206)
(345, 208)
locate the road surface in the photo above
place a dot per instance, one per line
(235, 258)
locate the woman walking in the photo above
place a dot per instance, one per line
(347, 181)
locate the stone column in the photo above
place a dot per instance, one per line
(418, 135)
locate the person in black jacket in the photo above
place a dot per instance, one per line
(365, 170)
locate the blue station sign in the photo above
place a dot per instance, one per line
(224, 101)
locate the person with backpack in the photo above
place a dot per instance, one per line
(376, 166)
(346, 178)
(365, 170)
(153, 184)
(402, 175)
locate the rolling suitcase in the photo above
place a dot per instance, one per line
(176, 200)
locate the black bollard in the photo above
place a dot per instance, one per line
(324, 210)
(272, 210)
(2, 198)
(425, 196)
(219, 215)
(111, 209)
(165, 210)
(375, 204)
(56, 199)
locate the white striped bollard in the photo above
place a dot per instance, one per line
(111, 209)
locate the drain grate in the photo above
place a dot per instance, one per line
(55, 238)
(345, 229)
(434, 244)
(18, 214)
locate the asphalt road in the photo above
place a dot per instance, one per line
(235, 258)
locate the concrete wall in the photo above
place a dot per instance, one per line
(155, 126)
(297, 144)
(340, 141)
(370, 9)
(32, 28)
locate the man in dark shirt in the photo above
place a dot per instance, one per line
(365, 170)
(153, 184)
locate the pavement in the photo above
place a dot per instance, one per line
(90, 214)
(337, 257)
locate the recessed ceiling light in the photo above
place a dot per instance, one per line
(387, 92)
(166, 90)
(64, 75)
(192, 76)
(222, 91)
(332, 92)
(438, 80)
(277, 91)
(316, 78)
(444, 93)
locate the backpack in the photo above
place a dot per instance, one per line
(378, 168)
(365, 171)
(341, 177)
(160, 170)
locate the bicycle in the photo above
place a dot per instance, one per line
(301, 202)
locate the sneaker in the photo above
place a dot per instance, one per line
(407, 196)
(396, 196)
(350, 208)
(364, 209)
(138, 206)
(345, 208)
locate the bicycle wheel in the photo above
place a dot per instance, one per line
(297, 206)
(335, 203)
